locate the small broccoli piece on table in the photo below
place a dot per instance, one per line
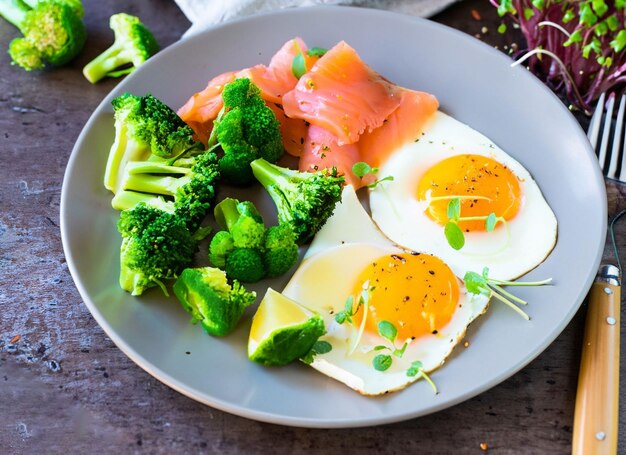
(245, 129)
(156, 246)
(191, 188)
(133, 45)
(304, 200)
(146, 129)
(205, 293)
(246, 250)
(54, 32)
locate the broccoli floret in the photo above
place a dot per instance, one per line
(245, 264)
(304, 200)
(246, 249)
(220, 248)
(205, 293)
(192, 189)
(54, 32)
(133, 45)
(245, 129)
(281, 250)
(146, 129)
(156, 246)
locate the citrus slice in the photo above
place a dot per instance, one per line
(282, 330)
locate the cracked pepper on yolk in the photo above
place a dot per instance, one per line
(470, 175)
(417, 293)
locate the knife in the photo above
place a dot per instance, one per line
(596, 411)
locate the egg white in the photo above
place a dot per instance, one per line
(328, 275)
(401, 217)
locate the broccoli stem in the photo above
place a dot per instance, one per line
(226, 213)
(14, 11)
(104, 63)
(156, 184)
(124, 200)
(269, 174)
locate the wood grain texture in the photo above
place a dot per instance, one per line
(65, 387)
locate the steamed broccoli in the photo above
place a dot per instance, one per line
(205, 293)
(304, 200)
(156, 246)
(246, 250)
(281, 249)
(146, 129)
(53, 30)
(192, 188)
(133, 45)
(246, 129)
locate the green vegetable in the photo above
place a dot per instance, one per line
(205, 293)
(304, 200)
(452, 231)
(481, 284)
(245, 129)
(156, 246)
(246, 249)
(146, 129)
(54, 32)
(192, 189)
(133, 45)
(362, 169)
(320, 347)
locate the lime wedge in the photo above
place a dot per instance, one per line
(282, 330)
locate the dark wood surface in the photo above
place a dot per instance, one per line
(65, 387)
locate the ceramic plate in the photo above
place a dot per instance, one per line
(473, 83)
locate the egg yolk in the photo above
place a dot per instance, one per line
(496, 187)
(417, 293)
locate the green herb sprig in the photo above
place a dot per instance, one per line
(454, 234)
(383, 362)
(298, 65)
(362, 169)
(320, 347)
(490, 287)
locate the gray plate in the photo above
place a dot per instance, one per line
(475, 84)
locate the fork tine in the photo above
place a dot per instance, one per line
(606, 132)
(596, 120)
(612, 171)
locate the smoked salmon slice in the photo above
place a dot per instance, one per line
(323, 151)
(404, 125)
(343, 95)
(202, 108)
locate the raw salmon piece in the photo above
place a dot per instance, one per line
(294, 131)
(342, 95)
(202, 108)
(322, 151)
(405, 124)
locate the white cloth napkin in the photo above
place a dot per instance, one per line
(204, 13)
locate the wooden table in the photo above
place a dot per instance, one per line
(65, 387)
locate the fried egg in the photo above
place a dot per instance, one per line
(450, 161)
(418, 294)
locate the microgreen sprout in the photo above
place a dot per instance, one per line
(350, 310)
(298, 65)
(417, 369)
(483, 285)
(320, 347)
(362, 169)
(389, 332)
(453, 233)
(573, 45)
